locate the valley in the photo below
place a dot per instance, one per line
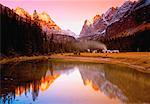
(58, 52)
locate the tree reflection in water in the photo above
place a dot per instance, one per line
(32, 76)
(116, 82)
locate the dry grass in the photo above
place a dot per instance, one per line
(115, 55)
(22, 58)
(137, 60)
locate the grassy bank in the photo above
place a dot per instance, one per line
(22, 58)
(137, 60)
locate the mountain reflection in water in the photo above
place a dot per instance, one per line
(53, 82)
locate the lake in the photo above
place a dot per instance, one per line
(47, 82)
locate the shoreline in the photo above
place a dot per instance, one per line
(9, 60)
(138, 62)
(99, 60)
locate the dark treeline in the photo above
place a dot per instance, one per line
(61, 43)
(23, 36)
(136, 42)
(19, 35)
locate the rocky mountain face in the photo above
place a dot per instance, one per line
(21, 12)
(99, 23)
(127, 22)
(23, 34)
(45, 21)
(43, 18)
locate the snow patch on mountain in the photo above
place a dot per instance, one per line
(67, 32)
(122, 10)
(100, 23)
(104, 19)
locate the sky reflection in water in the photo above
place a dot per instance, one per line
(61, 83)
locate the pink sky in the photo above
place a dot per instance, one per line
(68, 14)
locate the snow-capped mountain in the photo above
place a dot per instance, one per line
(123, 10)
(101, 22)
(125, 28)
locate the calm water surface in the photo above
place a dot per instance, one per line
(71, 83)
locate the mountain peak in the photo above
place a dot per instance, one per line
(87, 22)
(100, 22)
(127, 2)
(45, 17)
(47, 21)
(96, 17)
(21, 12)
